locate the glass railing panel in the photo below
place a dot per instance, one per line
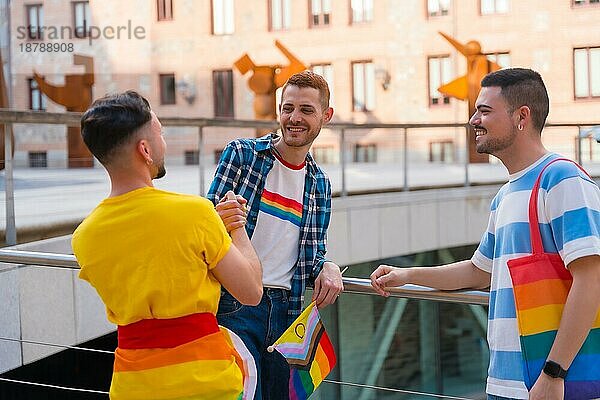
(415, 345)
(405, 344)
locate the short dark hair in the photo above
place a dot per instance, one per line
(310, 79)
(522, 87)
(111, 121)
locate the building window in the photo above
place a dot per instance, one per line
(502, 59)
(35, 19)
(81, 18)
(222, 17)
(167, 89)
(439, 74)
(37, 100)
(191, 157)
(441, 150)
(326, 71)
(164, 10)
(323, 154)
(585, 2)
(38, 159)
(587, 146)
(280, 16)
(586, 70)
(223, 93)
(488, 7)
(320, 12)
(361, 11)
(363, 86)
(436, 8)
(365, 153)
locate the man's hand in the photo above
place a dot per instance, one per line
(328, 285)
(547, 388)
(232, 210)
(386, 276)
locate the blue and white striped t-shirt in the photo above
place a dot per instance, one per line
(569, 217)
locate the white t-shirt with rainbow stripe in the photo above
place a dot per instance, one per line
(277, 234)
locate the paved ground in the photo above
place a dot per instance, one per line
(47, 197)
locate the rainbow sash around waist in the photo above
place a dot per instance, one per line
(541, 285)
(187, 358)
(166, 333)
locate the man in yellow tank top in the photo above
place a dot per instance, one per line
(158, 260)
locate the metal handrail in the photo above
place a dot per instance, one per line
(416, 292)
(9, 117)
(38, 258)
(351, 285)
(74, 119)
(12, 116)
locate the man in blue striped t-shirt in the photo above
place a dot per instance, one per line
(511, 111)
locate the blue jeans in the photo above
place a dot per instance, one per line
(259, 327)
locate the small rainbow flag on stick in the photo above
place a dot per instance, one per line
(308, 351)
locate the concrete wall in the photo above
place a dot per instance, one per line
(53, 305)
(46, 305)
(372, 227)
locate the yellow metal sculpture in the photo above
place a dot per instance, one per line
(266, 79)
(75, 95)
(3, 104)
(467, 86)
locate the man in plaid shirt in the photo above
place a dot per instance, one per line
(284, 200)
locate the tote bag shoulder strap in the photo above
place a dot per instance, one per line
(534, 228)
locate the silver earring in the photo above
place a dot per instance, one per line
(520, 127)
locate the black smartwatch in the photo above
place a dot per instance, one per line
(554, 370)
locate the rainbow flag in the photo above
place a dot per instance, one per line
(541, 286)
(308, 351)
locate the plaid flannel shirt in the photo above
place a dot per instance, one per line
(243, 168)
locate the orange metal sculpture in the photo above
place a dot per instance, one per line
(75, 95)
(3, 104)
(467, 86)
(266, 79)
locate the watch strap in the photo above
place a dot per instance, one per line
(554, 370)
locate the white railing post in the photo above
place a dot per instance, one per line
(201, 160)
(344, 191)
(467, 154)
(9, 187)
(405, 159)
